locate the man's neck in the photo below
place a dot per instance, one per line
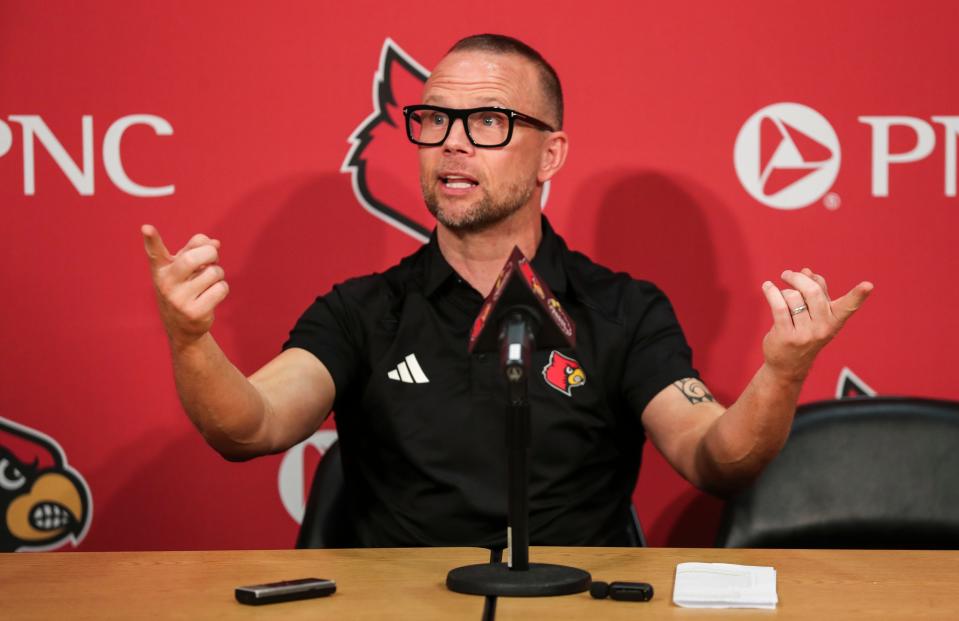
(479, 256)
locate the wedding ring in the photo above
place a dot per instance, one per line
(797, 310)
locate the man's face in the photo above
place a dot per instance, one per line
(468, 188)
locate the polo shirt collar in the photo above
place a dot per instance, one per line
(548, 262)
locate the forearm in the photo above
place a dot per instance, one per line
(721, 450)
(223, 404)
(749, 434)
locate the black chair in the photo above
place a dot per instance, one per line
(876, 473)
(326, 523)
(634, 530)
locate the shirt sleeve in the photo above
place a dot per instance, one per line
(326, 330)
(658, 354)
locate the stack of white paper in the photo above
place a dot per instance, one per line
(721, 585)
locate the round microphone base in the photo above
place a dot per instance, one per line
(539, 580)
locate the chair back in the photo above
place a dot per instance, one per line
(867, 472)
(634, 530)
(326, 519)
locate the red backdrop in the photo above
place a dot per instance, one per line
(250, 110)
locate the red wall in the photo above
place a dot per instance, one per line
(262, 99)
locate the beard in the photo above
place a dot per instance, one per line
(480, 214)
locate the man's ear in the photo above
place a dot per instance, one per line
(553, 156)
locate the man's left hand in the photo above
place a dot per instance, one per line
(804, 320)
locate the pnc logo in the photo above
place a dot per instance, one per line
(787, 156)
(34, 131)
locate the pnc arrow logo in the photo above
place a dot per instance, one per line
(787, 156)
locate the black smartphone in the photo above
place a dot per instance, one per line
(285, 591)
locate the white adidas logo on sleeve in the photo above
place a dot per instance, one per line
(408, 372)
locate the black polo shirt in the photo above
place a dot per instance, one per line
(422, 423)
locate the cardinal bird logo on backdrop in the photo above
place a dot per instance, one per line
(44, 503)
(382, 161)
(563, 373)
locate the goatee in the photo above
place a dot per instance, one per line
(479, 215)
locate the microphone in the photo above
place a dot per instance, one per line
(519, 315)
(624, 591)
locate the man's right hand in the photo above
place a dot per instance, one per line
(278, 406)
(188, 285)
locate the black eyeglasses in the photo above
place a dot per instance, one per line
(488, 127)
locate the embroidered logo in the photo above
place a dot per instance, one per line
(563, 373)
(408, 372)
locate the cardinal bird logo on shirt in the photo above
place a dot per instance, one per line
(44, 503)
(563, 373)
(383, 163)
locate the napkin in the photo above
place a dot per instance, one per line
(722, 585)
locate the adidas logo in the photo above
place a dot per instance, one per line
(408, 372)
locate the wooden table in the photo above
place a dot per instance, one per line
(195, 586)
(823, 585)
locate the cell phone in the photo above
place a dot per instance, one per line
(285, 591)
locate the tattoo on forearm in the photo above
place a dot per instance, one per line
(694, 390)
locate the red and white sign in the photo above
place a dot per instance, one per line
(710, 149)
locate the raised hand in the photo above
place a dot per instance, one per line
(188, 285)
(804, 320)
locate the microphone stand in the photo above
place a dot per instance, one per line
(515, 346)
(517, 577)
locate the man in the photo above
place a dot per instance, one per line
(421, 421)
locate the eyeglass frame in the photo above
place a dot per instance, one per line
(463, 114)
